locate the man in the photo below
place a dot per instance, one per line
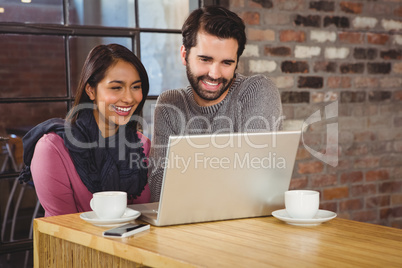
(218, 100)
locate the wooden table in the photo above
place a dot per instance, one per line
(68, 241)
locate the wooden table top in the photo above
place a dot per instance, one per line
(254, 242)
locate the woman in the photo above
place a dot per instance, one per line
(97, 148)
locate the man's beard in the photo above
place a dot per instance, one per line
(204, 94)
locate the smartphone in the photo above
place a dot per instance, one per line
(125, 230)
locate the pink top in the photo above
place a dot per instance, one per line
(59, 187)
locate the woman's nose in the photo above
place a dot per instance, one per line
(127, 96)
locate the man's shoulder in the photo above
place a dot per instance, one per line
(256, 79)
(256, 85)
(172, 96)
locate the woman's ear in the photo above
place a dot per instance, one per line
(90, 92)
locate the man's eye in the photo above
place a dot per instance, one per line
(116, 88)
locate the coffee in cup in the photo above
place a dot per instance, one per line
(109, 204)
(302, 204)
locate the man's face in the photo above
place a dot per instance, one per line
(210, 66)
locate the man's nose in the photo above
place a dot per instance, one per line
(214, 71)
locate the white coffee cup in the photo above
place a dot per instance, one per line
(109, 204)
(302, 204)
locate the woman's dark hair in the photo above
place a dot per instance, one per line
(217, 21)
(99, 60)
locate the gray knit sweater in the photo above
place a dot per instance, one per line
(252, 104)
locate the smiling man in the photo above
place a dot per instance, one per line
(218, 100)
(210, 67)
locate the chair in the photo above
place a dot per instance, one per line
(12, 152)
(7, 153)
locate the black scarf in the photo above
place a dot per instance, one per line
(103, 164)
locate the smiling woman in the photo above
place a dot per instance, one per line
(91, 150)
(54, 37)
(116, 97)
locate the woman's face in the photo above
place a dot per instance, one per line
(116, 97)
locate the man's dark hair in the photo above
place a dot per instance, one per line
(217, 21)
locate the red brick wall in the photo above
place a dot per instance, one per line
(345, 51)
(31, 66)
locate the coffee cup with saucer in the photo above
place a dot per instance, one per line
(302, 208)
(109, 209)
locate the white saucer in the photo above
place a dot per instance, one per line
(129, 215)
(322, 216)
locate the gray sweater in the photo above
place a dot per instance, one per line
(252, 104)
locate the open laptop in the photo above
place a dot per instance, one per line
(223, 176)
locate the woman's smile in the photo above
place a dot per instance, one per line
(122, 110)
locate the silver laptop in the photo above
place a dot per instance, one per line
(223, 176)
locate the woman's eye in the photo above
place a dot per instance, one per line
(116, 88)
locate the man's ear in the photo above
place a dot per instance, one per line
(90, 91)
(183, 54)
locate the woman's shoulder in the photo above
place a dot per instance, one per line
(142, 137)
(146, 142)
(51, 138)
(51, 142)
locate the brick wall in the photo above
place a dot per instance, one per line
(31, 66)
(349, 52)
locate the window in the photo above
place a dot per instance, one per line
(44, 43)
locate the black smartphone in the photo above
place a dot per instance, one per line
(126, 230)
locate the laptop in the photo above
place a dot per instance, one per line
(223, 176)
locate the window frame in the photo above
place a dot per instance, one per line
(67, 31)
